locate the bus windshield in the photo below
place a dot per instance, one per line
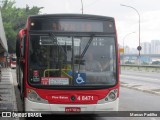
(59, 60)
(13, 58)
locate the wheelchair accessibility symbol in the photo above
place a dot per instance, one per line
(79, 79)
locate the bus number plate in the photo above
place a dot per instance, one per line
(72, 109)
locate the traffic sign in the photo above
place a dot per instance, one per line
(139, 48)
(121, 50)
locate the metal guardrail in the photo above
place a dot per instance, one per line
(148, 68)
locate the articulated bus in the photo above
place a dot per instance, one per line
(68, 63)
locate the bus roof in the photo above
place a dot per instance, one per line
(72, 16)
(90, 24)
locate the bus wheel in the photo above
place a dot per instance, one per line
(18, 76)
(23, 105)
(18, 86)
(21, 83)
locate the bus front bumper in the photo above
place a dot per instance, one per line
(60, 108)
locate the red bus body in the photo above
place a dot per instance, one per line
(56, 88)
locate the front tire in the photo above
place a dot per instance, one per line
(18, 75)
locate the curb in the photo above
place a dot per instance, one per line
(13, 92)
(139, 89)
(8, 97)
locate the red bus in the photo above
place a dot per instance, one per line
(68, 63)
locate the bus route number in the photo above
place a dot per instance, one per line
(85, 98)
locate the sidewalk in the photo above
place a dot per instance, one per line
(7, 92)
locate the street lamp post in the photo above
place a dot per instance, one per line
(139, 47)
(123, 43)
(125, 37)
(82, 6)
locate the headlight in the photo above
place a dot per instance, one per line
(33, 96)
(112, 96)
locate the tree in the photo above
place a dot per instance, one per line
(14, 19)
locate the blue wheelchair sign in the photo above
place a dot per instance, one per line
(80, 78)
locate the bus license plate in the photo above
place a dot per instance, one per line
(72, 109)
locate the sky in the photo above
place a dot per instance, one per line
(127, 19)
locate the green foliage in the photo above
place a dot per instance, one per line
(14, 19)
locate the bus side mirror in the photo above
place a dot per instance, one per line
(18, 47)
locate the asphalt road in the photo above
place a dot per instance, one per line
(144, 81)
(130, 100)
(142, 77)
(154, 75)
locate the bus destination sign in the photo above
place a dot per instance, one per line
(72, 25)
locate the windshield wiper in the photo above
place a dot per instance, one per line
(83, 53)
(87, 46)
(54, 38)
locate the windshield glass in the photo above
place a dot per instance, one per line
(13, 59)
(72, 61)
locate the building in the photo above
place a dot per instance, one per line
(146, 48)
(155, 46)
(158, 49)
